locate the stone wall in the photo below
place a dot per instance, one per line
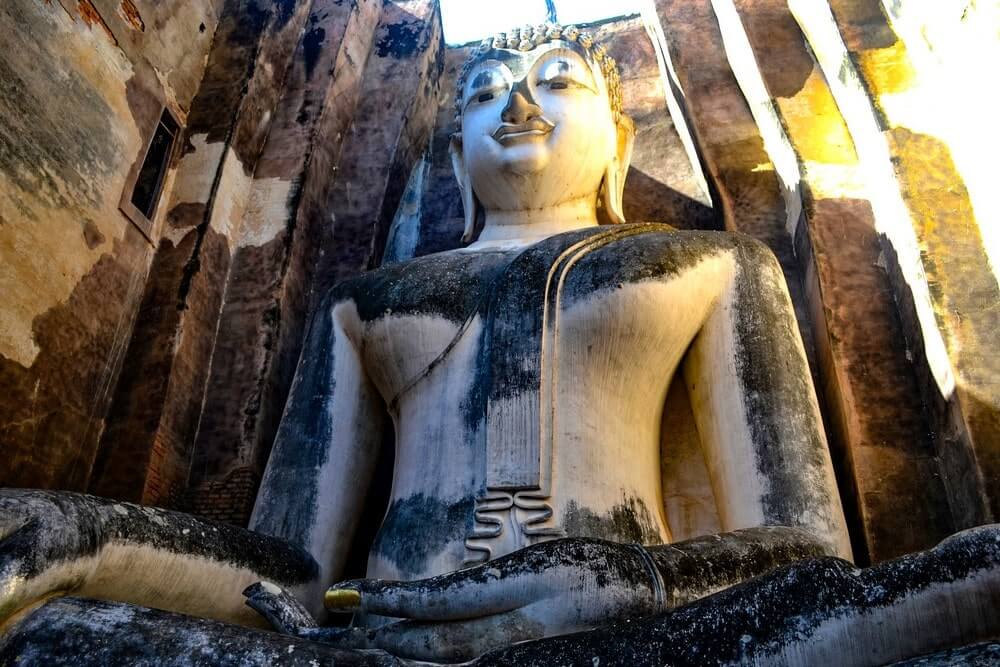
(82, 86)
(285, 228)
(153, 365)
(147, 446)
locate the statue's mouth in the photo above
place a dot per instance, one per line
(511, 134)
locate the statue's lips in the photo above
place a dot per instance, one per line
(510, 134)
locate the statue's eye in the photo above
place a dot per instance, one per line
(485, 97)
(562, 73)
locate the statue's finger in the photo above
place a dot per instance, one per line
(457, 641)
(281, 609)
(470, 593)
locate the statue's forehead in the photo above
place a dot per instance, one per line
(520, 62)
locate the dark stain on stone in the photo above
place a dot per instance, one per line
(656, 252)
(306, 423)
(399, 40)
(449, 285)
(304, 115)
(629, 521)
(92, 235)
(312, 45)
(418, 527)
(515, 312)
(283, 12)
(777, 392)
(53, 412)
(230, 68)
(187, 215)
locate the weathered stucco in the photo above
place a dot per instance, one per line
(82, 91)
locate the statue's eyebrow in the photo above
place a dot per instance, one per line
(484, 77)
(515, 61)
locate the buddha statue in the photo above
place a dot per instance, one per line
(525, 377)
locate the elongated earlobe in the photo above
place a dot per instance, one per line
(470, 205)
(613, 186)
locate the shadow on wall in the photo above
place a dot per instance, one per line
(647, 199)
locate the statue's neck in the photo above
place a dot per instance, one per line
(520, 228)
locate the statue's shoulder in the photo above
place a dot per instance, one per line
(645, 234)
(645, 242)
(446, 284)
(610, 257)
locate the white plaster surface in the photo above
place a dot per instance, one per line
(266, 212)
(231, 198)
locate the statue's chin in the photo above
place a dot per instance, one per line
(524, 160)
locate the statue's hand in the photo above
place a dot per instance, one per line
(546, 589)
(47, 540)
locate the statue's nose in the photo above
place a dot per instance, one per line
(521, 106)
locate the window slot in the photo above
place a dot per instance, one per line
(139, 202)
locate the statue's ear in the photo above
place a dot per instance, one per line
(613, 187)
(470, 205)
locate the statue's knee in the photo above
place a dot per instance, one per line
(755, 253)
(982, 543)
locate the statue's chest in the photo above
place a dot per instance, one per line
(425, 318)
(414, 315)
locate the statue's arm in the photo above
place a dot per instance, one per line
(58, 542)
(324, 455)
(756, 410)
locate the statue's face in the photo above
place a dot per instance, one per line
(537, 127)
